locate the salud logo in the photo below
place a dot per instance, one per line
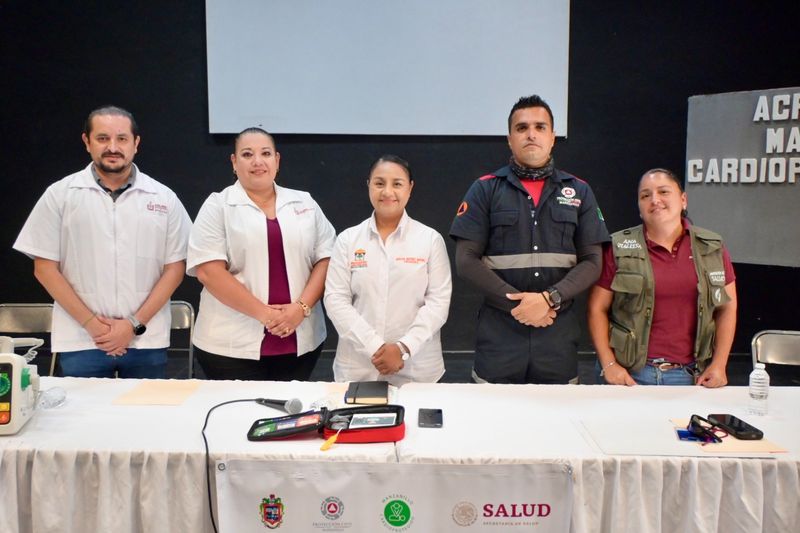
(271, 511)
(397, 512)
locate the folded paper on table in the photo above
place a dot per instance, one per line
(159, 392)
(731, 444)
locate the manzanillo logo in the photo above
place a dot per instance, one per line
(397, 512)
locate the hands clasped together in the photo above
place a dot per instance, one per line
(112, 335)
(533, 309)
(282, 319)
(388, 359)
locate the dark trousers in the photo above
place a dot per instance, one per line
(287, 367)
(509, 352)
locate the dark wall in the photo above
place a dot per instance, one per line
(632, 68)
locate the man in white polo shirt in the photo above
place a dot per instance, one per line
(109, 245)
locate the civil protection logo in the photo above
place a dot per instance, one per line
(271, 511)
(332, 508)
(568, 192)
(465, 514)
(397, 512)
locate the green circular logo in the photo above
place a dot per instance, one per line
(397, 513)
(5, 384)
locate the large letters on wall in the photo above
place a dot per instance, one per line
(743, 172)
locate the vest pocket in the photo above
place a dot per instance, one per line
(716, 289)
(623, 342)
(628, 288)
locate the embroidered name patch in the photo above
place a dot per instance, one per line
(157, 208)
(629, 244)
(410, 260)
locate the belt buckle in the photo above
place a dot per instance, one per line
(665, 366)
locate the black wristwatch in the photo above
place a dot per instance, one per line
(555, 298)
(138, 327)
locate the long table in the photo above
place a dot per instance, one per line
(91, 465)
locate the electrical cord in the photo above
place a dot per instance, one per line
(208, 467)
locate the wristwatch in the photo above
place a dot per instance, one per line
(306, 309)
(138, 327)
(404, 353)
(555, 298)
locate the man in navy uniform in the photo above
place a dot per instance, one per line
(529, 237)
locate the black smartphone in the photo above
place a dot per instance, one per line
(736, 427)
(429, 418)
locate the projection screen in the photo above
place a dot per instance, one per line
(416, 67)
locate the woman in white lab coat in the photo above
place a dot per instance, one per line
(388, 288)
(261, 252)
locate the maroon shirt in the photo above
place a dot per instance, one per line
(278, 291)
(674, 325)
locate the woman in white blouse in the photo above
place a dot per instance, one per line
(388, 287)
(261, 252)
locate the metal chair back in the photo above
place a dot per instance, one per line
(774, 346)
(26, 319)
(183, 319)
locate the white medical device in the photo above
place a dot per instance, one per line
(19, 384)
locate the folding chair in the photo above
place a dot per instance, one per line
(26, 319)
(776, 347)
(183, 319)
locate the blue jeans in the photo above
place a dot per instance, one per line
(137, 363)
(651, 375)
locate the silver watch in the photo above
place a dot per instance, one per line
(403, 351)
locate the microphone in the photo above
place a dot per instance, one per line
(292, 406)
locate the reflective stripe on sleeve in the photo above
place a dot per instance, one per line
(533, 260)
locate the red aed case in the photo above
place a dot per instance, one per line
(371, 423)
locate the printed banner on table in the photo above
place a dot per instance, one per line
(298, 496)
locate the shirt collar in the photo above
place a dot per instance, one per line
(88, 179)
(283, 196)
(650, 244)
(373, 225)
(129, 183)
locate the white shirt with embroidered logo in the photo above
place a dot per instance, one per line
(111, 253)
(231, 228)
(378, 293)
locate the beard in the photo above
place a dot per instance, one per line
(114, 168)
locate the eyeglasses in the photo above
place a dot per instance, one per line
(702, 428)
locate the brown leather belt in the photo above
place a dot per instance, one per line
(666, 365)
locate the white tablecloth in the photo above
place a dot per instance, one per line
(91, 466)
(638, 493)
(94, 466)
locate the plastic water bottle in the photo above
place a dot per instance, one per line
(759, 390)
(51, 398)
